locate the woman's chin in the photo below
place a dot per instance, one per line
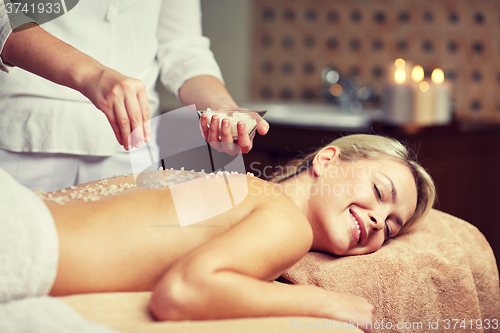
(340, 248)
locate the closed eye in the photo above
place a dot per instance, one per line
(387, 230)
(377, 192)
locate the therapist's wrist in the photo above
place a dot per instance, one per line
(223, 105)
(206, 91)
(85, 77)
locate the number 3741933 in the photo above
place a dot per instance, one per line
(32, 8)
(451, 324)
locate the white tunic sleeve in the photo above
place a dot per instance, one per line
(183, 51)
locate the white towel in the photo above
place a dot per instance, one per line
(28, 266)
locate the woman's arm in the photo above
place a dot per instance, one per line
(122, 99)
(228, 276)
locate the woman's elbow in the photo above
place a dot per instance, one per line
(174, 298)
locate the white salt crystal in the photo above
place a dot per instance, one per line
(234, 118)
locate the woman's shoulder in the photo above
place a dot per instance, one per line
(266, 190)
(273, 196)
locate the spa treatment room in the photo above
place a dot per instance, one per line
(249, 166)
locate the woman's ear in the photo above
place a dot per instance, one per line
(323, 158)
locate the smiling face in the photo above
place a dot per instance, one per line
(355, 206)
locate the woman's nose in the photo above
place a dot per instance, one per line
(378, 217)
(376, 222)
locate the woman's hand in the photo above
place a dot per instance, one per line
(124, 102)
(347, 308)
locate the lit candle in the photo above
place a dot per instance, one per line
(417, 74)
(424, 104)
(398, 102)
(442, 97)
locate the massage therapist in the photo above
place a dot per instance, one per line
(72, 91)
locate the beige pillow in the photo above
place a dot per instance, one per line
(441, 270)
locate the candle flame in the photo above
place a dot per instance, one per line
(400, 63)
(417, 73)
(423, 86)
(400, 75)
(437, 76)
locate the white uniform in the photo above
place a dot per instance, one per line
(141, 39)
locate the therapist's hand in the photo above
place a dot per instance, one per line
(122, 99)
(124, 102)
(244, 143)
(206, 91)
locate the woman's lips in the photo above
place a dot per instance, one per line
(362, 234)
(355, 227)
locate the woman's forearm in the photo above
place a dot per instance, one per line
(231, 295)
(228, 294)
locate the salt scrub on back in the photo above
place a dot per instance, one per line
(234, 117)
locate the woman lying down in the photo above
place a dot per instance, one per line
(345, 199)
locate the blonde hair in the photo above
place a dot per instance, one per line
(358, 146)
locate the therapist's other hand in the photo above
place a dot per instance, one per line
(122, 99)
(125, 103)
(244, 143)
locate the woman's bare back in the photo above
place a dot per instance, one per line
(127, 241)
